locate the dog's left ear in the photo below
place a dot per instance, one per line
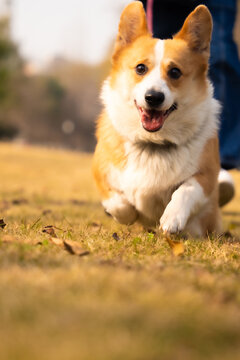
(133, 23)
(197, 30)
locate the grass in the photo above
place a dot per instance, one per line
(130, 298)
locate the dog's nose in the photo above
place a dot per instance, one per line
(154, 98)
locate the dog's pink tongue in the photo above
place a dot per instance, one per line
(152, 120)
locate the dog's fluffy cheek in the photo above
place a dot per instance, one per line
(121, 109)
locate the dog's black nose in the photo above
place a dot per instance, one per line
(154, 98)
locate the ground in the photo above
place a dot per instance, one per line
(121, 294)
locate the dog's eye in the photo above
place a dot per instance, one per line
(174, 73)
(141, 69)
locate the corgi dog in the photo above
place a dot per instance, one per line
(157, 158)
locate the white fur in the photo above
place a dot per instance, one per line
(157, 179)
(154, 81)
(119, 207)
(178, 127)
(187, 200)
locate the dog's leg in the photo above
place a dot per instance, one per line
(185, 201)
(120, 209)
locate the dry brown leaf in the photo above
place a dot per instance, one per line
(57, 241)
(74, 248)
(176, 246)
(49, 230)
(2, 224)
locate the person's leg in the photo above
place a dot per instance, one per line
(167, 16)
(225, 75)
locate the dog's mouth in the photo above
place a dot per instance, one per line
(152, 120)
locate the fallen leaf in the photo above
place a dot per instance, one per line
(115, 236)
(2, 224)
(49, 230)
(176, 246)
(56, 241)
(74, 248)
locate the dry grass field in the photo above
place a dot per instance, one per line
(88, 288)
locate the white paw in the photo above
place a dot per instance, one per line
(120, 209)
(173, 219)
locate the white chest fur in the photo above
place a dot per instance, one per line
(152, 174)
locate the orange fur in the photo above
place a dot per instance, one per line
(109, 151)
(132, 25)
(207, 176)
(209, 166)
(141, 51)
(143, 187)
(197, 36)
(188, 62)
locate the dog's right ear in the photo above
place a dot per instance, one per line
(133, 23)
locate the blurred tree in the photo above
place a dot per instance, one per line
(10, 74)
(56, 107)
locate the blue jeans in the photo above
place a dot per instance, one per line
(224, 72)
(225, 75)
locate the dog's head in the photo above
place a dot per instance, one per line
(156, 87)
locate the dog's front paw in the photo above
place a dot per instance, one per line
(121, 210)
(173, 220)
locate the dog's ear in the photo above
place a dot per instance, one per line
(133, 23)
(197, 30)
